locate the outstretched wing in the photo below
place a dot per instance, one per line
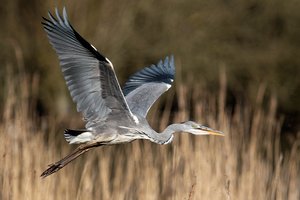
(144, 87)
(90, 77)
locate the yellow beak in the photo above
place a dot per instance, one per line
(215, 132)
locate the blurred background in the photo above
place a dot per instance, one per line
(254, 42)
(237, 69)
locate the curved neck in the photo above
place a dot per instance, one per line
(166, 136)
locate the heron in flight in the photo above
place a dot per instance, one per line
(112, 115)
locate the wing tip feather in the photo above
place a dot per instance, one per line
(163, 71)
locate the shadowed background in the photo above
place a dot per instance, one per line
(237, 65)
(256, 42)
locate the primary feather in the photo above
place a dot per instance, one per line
(144, 87)
(89, 76)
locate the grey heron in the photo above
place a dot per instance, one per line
(112, 115)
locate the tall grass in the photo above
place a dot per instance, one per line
(247, 163)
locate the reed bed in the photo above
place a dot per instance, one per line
(248, 163)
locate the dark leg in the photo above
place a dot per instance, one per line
(66, 160)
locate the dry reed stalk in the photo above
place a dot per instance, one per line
(246, 164)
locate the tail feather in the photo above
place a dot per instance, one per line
(74, 132)
(78, 136)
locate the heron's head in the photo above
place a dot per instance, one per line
(198, 129)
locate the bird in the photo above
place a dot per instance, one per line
(112, 115)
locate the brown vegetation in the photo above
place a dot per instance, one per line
(247, 163)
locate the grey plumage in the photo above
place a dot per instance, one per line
(96, 94)
(144, 87)
(112, 116)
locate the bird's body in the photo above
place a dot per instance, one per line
(112, 115)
